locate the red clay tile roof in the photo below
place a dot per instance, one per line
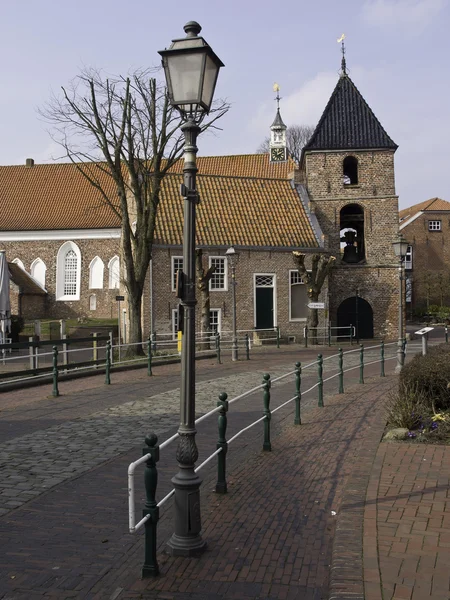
(428, 205)
(241, 165)
(52, 196)
(246, 210)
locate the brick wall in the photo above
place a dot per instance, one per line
(431, 259)
(47, 250)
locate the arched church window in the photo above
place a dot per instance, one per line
(38, 270)
(96, 274)
(352, 234)
(114, 273)
(68, 272)
(350, 170)
(19, 263)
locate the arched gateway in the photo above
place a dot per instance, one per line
(357, 312)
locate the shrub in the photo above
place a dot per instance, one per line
(429, 377)
(406, 407)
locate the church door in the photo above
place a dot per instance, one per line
(357, 312)
(264, 301)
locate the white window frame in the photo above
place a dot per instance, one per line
(291, 319)
(274, 286)
(409, 258)
(173, 273)
(96, 278)
(219, 319)
(110, 273)
(38, 262)
(60, 272)
(174, 323)
(435, 225)
(225, 275)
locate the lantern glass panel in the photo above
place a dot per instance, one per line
(209, 82)
(185, 71)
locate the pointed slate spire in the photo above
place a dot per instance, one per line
(348, 122)
(278, 121)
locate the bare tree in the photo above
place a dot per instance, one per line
(123, 136)
(314, 280)
(203, 279)
(297, 136)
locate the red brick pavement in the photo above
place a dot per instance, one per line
(407, 523)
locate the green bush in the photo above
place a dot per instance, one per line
(406, 406)
(429, 376)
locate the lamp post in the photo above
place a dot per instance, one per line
(400, 247)
(233, 256)
(191, 69)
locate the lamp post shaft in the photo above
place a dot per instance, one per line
(234, 344)
(186, 540)
(400, 348)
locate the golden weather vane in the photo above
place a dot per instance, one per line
(276, 88)
(343, 63)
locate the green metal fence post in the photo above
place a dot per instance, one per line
(341, 371)
(55, 392)
(306, 336)
(320, 378)
(361, 363)
(108, 363)
(218, 348)
(446, 334)
(266, 398)
(150, 567)
(298, 393)
(221, 485)
(153, 337)
(329, 334)
(382, 374)
(351, 334)
(247, 346)
(149, 357)
(278, 336)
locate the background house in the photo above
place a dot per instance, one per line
(426, 226)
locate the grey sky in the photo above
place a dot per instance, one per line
(397, 55)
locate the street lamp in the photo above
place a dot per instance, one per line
(400, 247)
(233, 256)
(191, 69)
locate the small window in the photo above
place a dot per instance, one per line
(215, 321)
(38, 270)
(96, 274)
(177, 265)
(408, 289)
(92, 302)
(434, 226)
(298, 310)
(19, 263)
(350, 170)
(174, 323)
(114, 273)
(219, 279)
(408, 258)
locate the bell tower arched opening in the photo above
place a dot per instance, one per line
(350, 170)
(351, 228)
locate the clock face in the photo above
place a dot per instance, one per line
(277, 154)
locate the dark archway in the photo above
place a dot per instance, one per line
(357, 312)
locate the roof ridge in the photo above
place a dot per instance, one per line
(231, 176)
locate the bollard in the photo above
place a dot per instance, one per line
(361, 363)
(446, 334)
(95, 350)
(305, 333)
(221, 485)
(267, 446)
(278, 336)
(151, 568)
(108, 363)
(320, 378)
(55, 392)
(149, 357)
(247, 346)
(218, 348)
(382, 374)
(341, 371)
(298, 393)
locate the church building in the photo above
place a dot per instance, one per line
(340, 200)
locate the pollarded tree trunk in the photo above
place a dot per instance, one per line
(314, 280)
(203, 279)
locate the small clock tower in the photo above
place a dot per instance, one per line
(277, 146)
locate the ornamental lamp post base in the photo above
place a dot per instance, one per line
(400, 357)
(187, 541)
